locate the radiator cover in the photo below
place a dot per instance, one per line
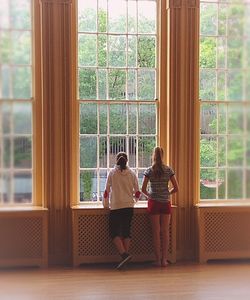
(23, 238)
(223, 232)
(92, 244)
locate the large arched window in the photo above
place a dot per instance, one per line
(225, 100)
(117, 88)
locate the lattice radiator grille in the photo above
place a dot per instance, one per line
(92, 243)
(23, 239)
(224, 233)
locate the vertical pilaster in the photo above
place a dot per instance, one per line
(183, 83)
(57, 96)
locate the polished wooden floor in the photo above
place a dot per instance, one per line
(220, 280)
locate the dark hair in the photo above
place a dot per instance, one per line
(157, 163)
(121, 160)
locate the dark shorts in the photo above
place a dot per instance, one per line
(157, 207)
(120, 222)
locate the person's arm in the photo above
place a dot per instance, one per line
(175, 185)
(144, 186)
(105, 200)
(136, 188)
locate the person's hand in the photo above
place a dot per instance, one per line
(137, 196)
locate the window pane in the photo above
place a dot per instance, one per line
(146, 85)
(102, 50)
(146, 52)
(20, 14)
(146, 16)
(22, 153)
(117, 51)
(235, 151)
(222, 144)
(103, 119)
(88, 152)
(22, 187)
(5, 190)
(147, 120)
(208, 183)
(6, 154)
(117, 84)
(6, 117)
(145, 148)
(208, 119)
(116, 144)
(234, 85)
(87, 84)
(131, 84)
(117, 16)
(6, 86)
(132, 151)
(248, 184)
(103, 152)
(222, 119)
(88, 118)
(207, 84)
(235, 119)
(118, 119)
(87, 50)
(132, 119)
(132, 51)
(235, 184)
(88, 186)
(102, 84)
(208, 18)
(208, 52)
(208, 151)
(87, 15)
(102, 15)
(22, 118)
(21, 80)
(222, 184)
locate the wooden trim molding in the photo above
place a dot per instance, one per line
(183, 140)
(183, 3)
(57, 95)
(56, 1)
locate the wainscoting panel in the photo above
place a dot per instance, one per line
(92, 244)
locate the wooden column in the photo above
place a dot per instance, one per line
(183, 112)
(57, 96)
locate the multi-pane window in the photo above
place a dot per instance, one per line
(117, 88)
(225, 100)
(16, 102)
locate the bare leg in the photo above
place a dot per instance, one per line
(126, 244)
(155, 223)
(165, 222)
(119, 244)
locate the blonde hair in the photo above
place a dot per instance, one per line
(157, 161)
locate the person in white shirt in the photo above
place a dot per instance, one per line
(121, 193)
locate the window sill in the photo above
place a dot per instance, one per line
(4, 209)
(141, 204)
(223, 204)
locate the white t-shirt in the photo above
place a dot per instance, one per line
(121, 185)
